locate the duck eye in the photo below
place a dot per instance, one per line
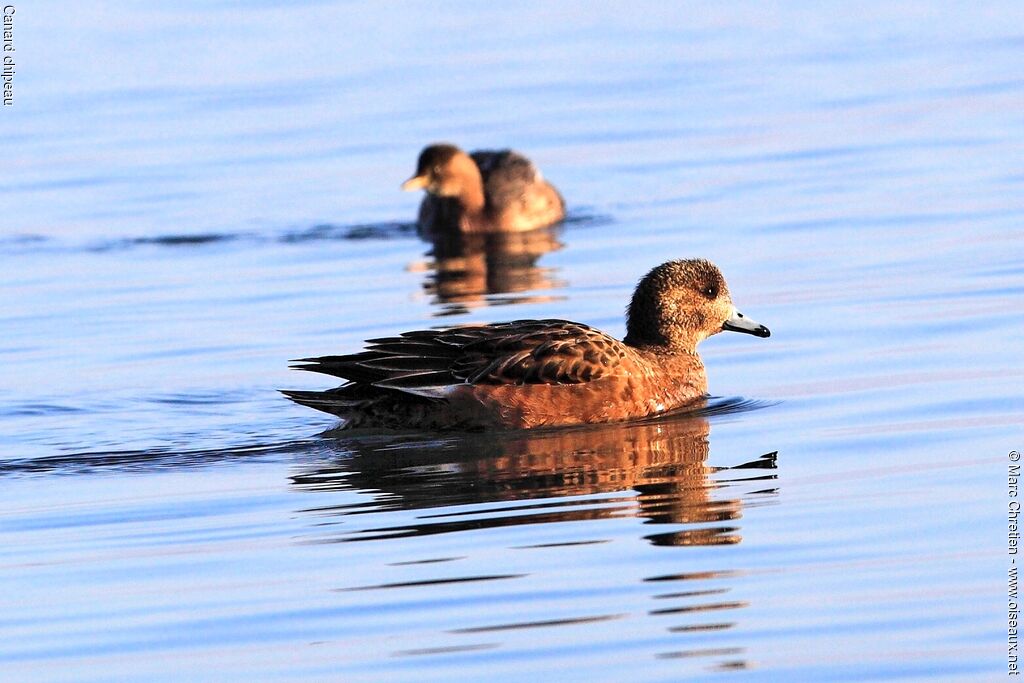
(710, 291)
(437, 170)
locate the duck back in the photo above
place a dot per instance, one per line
(517, 196)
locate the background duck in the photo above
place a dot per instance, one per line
(532, 373)
(486, 191)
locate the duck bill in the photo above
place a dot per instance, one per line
(741, 323)
(417, 182)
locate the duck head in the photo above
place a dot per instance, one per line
(681, 303)
(444, 170)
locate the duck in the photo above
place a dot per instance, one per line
(526, 374)
(486, 191)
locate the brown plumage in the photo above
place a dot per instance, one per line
(531, 373)
(486, 191)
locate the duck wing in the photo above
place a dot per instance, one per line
(431, 362)
(507, 175)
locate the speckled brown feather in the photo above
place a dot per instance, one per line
(517, 352)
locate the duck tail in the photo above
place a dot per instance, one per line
(326, 401)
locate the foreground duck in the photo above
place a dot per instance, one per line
(533, 373)
(486, 191)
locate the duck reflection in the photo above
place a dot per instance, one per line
(465, 271)
(659, 467)
(657, 471)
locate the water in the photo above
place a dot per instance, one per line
(196, 194)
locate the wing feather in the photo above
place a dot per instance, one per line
(430, 362)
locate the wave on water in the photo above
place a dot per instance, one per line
(321, 232)
(366, 231)
(149, 459)
(6, 240)
(385, 230)
(185, 240)
(583, 217)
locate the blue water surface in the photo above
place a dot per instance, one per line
(195, 193)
